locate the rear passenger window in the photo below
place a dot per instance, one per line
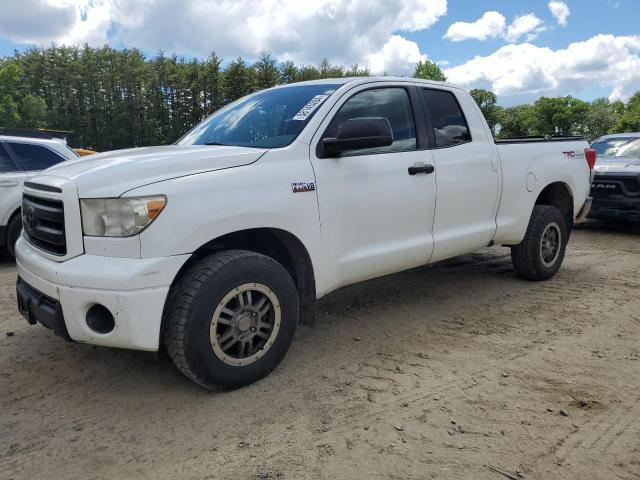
(6, 164)
(34, 157)
(449, 125)
(390, 103)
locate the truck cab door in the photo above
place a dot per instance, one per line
(467, 173)
(377, 205)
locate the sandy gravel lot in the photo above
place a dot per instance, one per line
(456, 371)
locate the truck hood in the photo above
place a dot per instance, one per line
(111, 174)
(617, 165)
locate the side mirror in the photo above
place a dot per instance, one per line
(358, 134)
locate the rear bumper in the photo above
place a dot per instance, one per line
(59, 295)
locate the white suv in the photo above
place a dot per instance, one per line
(22, 154)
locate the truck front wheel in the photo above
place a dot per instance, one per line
(13, 233)
(230, 319)
(539, 256)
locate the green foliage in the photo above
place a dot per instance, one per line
(487, 101)
(266, 72)
(288, 72)
(601, 116)
(569, 116)
(630, 119)
(428, 70)
(238, 80)
(112, 99)
(17, 107)
(558, 116)
(33, 112)
(515, 122)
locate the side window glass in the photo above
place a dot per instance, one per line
(34, 157)
(390, 103)
(449, 125)
(6, 164)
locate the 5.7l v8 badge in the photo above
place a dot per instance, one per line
(299, 187)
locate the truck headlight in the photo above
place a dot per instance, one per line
(119, 217)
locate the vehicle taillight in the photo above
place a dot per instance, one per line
(590, 155)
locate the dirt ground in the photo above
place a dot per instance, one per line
(455, 371)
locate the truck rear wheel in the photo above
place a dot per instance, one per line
(539, 256)
(230, 319)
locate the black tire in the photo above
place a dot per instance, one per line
(194, 300)
(14, 228)
(527, 257)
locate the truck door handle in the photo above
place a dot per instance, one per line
(8, 184)
(420, 168)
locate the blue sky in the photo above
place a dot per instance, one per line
(588, 17)
(518, 48)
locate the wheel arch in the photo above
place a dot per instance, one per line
(282, 246)
(559, 195)
(11, 212)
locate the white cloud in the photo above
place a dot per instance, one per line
(61, 21)
(34, 21)
(530, 71)
(528, 26)
(493, 24)
(560, 12)
(490, 25)
(398, 55)
(343, 31)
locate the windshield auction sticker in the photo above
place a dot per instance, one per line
(308, 109)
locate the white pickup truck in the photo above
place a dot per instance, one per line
(216, 247)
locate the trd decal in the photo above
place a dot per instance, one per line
(569, 154)
(299, 187)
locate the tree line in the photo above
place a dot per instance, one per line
(564, 116)
(111, 99)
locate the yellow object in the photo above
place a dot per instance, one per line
(83, 151)
(154, 207)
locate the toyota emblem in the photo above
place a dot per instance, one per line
(29, 219)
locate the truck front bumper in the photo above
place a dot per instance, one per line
(616, 196)
(59, 295)
(620, 209)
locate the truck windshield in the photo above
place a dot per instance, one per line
(617, 147)
(268, 119)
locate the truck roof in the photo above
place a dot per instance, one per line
(364, 80)
(32, 140)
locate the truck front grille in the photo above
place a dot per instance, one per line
(43, 224)
(609, 185)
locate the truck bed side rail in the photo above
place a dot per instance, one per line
(536, 139)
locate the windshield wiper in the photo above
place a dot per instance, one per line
(218, 143)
